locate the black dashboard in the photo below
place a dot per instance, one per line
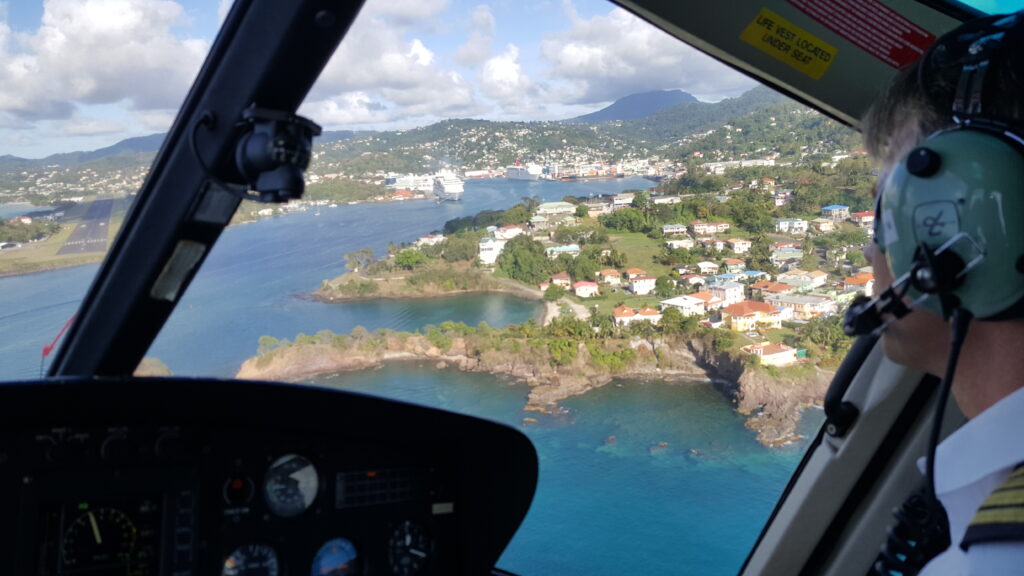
(178, 477)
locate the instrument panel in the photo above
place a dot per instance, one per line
(345, 485)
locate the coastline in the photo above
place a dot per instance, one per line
(772, 405)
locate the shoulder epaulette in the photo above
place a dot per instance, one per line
(1001, 516)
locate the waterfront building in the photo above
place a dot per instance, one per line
(490, 249)
(555, 209)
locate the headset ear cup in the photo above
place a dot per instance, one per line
(960, 191)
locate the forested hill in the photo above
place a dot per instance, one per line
(636, 106)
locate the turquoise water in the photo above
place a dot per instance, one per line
(601, 509)
(620, 508)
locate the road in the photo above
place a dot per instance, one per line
(91, 234)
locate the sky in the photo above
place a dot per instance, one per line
(83, 74)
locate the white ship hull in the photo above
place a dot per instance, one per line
(448, 187)
(531, 172)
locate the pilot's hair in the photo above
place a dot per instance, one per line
(919, 101)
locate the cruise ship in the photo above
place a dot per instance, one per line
(448, 186)
(520, 172)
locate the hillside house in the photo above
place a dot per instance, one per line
(791, 226)
(863, 219)
(624, 200)
(730, 292)
(490, 249)
(739, 245)
(863, 282)
(735, 265)
(642, 285)
(508, 232)
(561, 279)
(649, 314)
(676, 244)
(707, 268)
(556, 251)
(429, 240)
(823, 225)
(609, 276)
(687, 305)
(804, 306)
(634, 272)
(555, 209)
(711, 302)
(766, 288)
(623, 315)
(674, 229)
(751, 315)
(835, 212)
(585, 289)
(701, 228)
(769, 354)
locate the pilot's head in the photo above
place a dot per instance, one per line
(972, 77)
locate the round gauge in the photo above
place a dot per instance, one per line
(251, 560)
(408, 549)
(337, 557)
(290, 486)
(98, 539)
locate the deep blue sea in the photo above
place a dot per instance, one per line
(601, 509)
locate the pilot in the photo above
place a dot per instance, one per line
(948, 140)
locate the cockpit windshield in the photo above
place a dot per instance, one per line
(552, 215)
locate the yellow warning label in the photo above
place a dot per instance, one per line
(780, 38)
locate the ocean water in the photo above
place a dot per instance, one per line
(608, 509)
(601, 509)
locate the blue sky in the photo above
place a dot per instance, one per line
(67, 83)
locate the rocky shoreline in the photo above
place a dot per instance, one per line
(772, 404)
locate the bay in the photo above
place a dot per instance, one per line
(607, 508)
(601, 508)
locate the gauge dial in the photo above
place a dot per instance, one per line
(338, 557)
(98, 539)
(408, 549)
(291, 485)
(251, 560)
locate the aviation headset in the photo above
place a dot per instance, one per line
(950, 216)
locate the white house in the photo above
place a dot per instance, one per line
(508, 232)
(556, 251)
(791, 226)
(623, 200)
(706, 268)
(490, 249)
(610, 276)
(676, 244)
(673, 229)
(642, 285)
(688, 305)
(730, 292)
(699, 227)
(739, 245)
(585, 289)
(430, 240)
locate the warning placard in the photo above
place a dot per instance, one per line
(872, 27)
(780, 38)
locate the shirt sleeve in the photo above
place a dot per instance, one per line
(1003, 558)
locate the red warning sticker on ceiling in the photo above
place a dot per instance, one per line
(871, 26)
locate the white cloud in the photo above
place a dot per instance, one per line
(98, 51)
(478, 47)
(405, 13)
(609, 56)
(503, 80)
(378, 75)
(91, 127)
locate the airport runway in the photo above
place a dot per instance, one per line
(91, 234)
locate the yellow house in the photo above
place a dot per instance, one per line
(751, 315)
(769, 354)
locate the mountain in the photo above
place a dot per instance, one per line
(636, 106)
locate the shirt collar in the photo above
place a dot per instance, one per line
(989, 442)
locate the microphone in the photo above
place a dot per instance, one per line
(865, 315)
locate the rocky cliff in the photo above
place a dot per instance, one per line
(772, 402)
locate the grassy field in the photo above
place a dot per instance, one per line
(640, 252)
(608, 300)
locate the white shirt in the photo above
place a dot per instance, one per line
(969, 465)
